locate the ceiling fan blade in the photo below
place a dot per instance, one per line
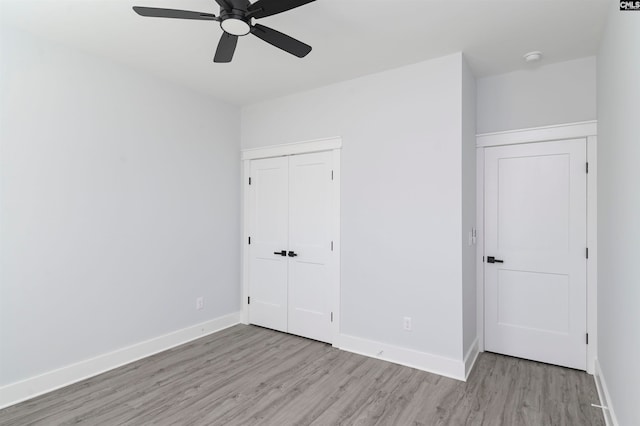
(281, 41)
(263, 8)
(224, 4)
(174, 13)
(226, 48)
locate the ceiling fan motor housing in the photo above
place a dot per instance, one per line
(235, 22)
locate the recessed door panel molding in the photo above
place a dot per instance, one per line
(535, 222)
(523, 301)
(523, 184)
(291, 263)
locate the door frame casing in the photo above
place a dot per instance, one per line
(583, 130)
(334, 145)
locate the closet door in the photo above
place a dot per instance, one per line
(268, 207)
(310, 225)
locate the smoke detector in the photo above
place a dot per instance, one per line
(534, 56)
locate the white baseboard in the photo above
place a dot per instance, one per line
(26, 389)
(471, 357)
(443, 366)
(605, 398)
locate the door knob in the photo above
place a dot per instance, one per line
(491, 259)
(292, 254)
(280, 253)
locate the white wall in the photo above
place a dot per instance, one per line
(618, 213)
(401, 196)
(558, 93)
(468, 128)
(119, 206)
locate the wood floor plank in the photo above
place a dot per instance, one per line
(248, 375)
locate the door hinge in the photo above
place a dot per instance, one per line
(587, 168)
(249, 240)
(331, 316)
(249, 181)
(587, 338)
(586, 253)
(331, 174)
(248, 300)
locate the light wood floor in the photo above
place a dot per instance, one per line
(247, 375)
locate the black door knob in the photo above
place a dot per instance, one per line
(491, 259)
(292, 253)
(280, 253)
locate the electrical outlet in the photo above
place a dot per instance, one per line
(406, 323)
(200, 303)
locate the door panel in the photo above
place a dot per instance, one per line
(268, 224)
(524, 296)
(534, 189)
(535, 221)
(310, 208)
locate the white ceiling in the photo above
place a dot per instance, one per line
(350, 38)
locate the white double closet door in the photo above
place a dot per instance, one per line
(291, 221)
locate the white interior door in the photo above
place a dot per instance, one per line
(268, 207)
(535, 223)
(310, 224)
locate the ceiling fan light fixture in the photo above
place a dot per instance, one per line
(235, 26)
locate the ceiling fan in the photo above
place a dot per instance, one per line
(236, 20)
